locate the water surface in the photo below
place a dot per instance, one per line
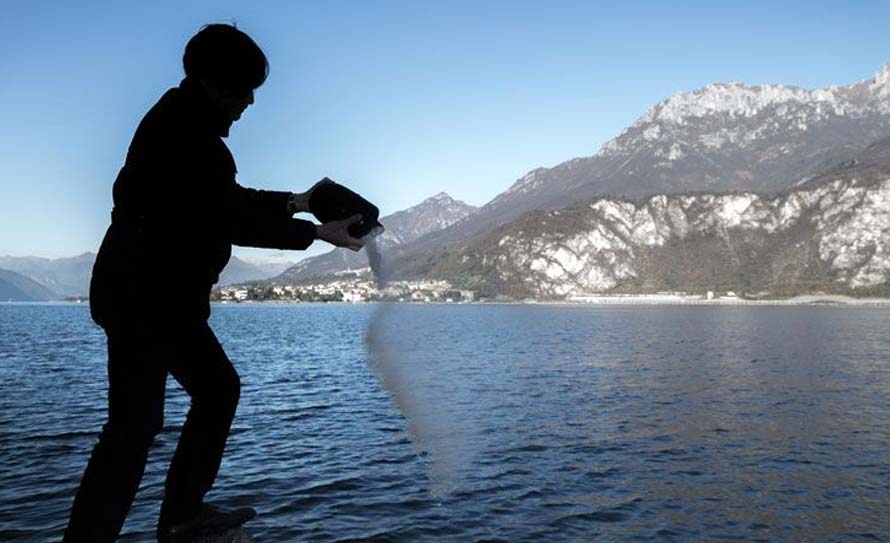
(527, 423)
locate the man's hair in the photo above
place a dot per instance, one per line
(223, 55)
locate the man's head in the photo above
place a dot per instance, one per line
(228, 64)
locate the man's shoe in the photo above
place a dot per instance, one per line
(210, 520)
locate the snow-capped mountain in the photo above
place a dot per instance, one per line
(723, 137)
(828, 234)
(432, 214)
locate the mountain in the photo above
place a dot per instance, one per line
(827, 234)
(69, 276)
(15, 287)
(723, 137)
(431, 215)
(241, 271)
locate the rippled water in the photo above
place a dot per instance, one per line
(529, 423)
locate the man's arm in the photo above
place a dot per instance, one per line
(263, 218)
(286, 233)
(262, 203)
(270, 202)
(297, 234)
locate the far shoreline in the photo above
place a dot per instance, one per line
(807, 300)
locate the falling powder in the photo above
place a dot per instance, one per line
(433, 433)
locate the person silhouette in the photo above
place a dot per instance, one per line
(177, 211)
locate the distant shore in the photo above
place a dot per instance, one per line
(623, 300)
(806, 299)
(803, 300)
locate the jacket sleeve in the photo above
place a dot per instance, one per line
(260, 218)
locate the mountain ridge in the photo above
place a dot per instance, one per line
(772, 138)
(405, 226)
(16, 287)
(824, 235)
(66, 276)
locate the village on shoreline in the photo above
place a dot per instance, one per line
(805, 300)
(359, 290)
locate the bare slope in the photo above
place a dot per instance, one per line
(723, 137)
(827, 234)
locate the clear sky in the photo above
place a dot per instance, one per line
(399, 100)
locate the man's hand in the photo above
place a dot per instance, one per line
(337, 233)
(299, 201)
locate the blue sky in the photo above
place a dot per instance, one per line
(399, 100)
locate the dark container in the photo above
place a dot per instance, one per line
(333, 202)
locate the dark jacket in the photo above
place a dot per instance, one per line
(177, 212)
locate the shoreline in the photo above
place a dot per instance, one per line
(802, 300)
(807, 300)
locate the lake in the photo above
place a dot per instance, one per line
(538, 423)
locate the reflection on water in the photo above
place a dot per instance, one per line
(530, 423)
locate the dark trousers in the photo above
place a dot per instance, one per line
(138, 364)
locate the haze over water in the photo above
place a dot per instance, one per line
(566, 423)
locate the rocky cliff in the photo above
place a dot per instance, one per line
(828, 234)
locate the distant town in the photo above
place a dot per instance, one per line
(358, 286)
(358, 290)
(352, 286)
